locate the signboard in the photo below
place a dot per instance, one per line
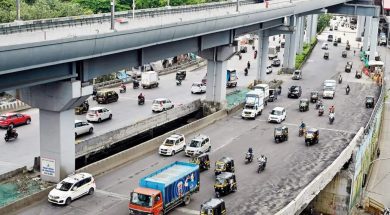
(48, 167)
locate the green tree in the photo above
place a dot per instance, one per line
(323, 21)
(7, 10)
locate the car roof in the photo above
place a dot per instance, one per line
(77, 121)
(312, 130)
(200, 137)
(77, 177)
(278, 108)
(176, 136)
(8, 114)
(96, 108)
(160, 99)
(213, 202)
(197, 82)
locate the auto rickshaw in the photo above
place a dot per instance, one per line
(83, 108)
(281, 134)
(313, 96)
(348, 47)
(358, 74)
(348, 67)
(202, 160)
(326, 55)
(273, 95)
(225, 164)
(303, 105)
(370, 102)
(225, 183)
(181, 75)
(312, 136)
(339, 40)
(213, 207)
(344, 54)
(335, 43)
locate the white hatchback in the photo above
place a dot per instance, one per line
(198, 145)
(71, 188)
(172, 145)
(98, 114)
(278, 115)
(82, 127)
(161, 104)
(198, 87)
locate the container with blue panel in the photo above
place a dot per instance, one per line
(231, 78)
(176, 182)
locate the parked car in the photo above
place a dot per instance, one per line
(98, 114)
(82, 128)
(71, 188)
(198, 87)
(172, 145)
(14, 119)
(294, 91)
(106, 96)
(198, 145)
(278, 114)
(161, 104)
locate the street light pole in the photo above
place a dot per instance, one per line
(238, 5)
(112, 14)
(133, 7)
(17, 9)
(168, 3)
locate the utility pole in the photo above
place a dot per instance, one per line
(17, 9)
(133, 7)
(112, 14)
(238, 5)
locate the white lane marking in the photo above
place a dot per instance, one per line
(187, 211)
(117, 195)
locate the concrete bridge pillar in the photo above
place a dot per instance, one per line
(360, 28)
(367, 33)
(56, 114)
(293, 43)
(216, 74)
(286, 54)
(301, 35)
(314, 26)
(309, 30)
(263, 55)
(374, 36)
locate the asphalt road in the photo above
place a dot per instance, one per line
(291, 165)
(125, 112)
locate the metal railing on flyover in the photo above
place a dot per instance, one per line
(33, 25)
(325, 177)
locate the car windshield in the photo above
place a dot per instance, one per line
(296, 73)
(328, 88)
(141, 199)
(169, 142)
(220, 165)
(293, 89)
(3, 117)
(219, 181)
(64, 186)
(196, 85)
(156, 102)
(276, 112)
(194, 143)
(249, 107)
(92, 111)
(99, 94)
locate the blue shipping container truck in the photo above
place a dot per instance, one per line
(231, 78)
(175, 181)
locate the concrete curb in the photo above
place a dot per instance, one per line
(12, 173)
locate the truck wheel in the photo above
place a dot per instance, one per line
(187, 199)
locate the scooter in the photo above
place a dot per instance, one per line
(347, 91)
(248, 158)
(178, 82)
(12, 136)
(301, 131)
(261, 166)
(340, 80)
(331, 118)
(246, 72)
(122, 90)
(320, 112)
(141, 101)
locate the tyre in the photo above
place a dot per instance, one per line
(173, 153)
(6, 139)
(217, 194)
(28, 121)
(209, 149)
(99, 120)
(187, 199)
(90, 130)
(91, 191)
(68, 201)
(75, 135)
(110, 117)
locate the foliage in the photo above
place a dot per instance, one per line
(307, 48)
(323, 21)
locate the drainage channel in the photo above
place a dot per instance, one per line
(138, 139)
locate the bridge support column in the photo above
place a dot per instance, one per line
(309, 30)
(216, 76)
(314, 26)
(286, 54)
(263, 55)
(299, 37)
(367, 33)
(374, 36)
(57, 143)
(360, 28)
(293, 44)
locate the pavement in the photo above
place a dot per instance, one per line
(378, 187)
(291, 165)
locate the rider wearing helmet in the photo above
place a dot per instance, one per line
(303, 125)
(140, 96)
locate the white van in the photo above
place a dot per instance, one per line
(265, 89)
(272, 52)
(329, 88)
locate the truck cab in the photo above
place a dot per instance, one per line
(145, 200)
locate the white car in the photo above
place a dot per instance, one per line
(278, 115)
(98, 114)
(82, 127)
(268, 70)
(71, 188)
(198, 87)
(161, 104)
(198, 145)
(172, 145)
(325, 46)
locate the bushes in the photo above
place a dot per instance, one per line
(301, 58)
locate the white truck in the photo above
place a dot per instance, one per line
(254, 104)
(329, 89)
(265, 89)
(272, 52)
(149, 79)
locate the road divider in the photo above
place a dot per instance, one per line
(14, 106)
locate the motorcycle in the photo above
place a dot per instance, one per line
(135, 84)
(318, 105)
(347, 90)
(178, 82)
(248, 158)
(340, 80)
(246, 72)
(122, 90)
(248, 65)
(141, 101)
(13, 135)
(331, 118)
(320, 112)
(301, 131)
(261, 166)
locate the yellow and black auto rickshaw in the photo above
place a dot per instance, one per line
(312, 136)
(202, 160)
(303, 105)
(213, 207)
(225, 164)
(281, 134)
(225, 183)
(83, 108)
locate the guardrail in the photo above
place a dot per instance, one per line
(33, 25)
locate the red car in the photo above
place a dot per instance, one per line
(12, 119)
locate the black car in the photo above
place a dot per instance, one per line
(106, 96)
(294, 92)
(370, 102)
(276, 62)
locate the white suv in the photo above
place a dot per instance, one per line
(82, 127)
(173, 144)
(161, 104)
(278, 115)
(71, 188)
(198, 145)
(98, 114)
(198, 87)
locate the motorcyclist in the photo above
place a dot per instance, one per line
(10, 131)
(347, 89)
(263, 160)
(331, 109)
(319, 103)
(250, 153)
(246, 71)
(141, 97)
(340, 79)
(303, 125)
(248, 65)
(123, 86)
(280, 89)
(331, 116)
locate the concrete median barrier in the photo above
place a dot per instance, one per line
(13, 106)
